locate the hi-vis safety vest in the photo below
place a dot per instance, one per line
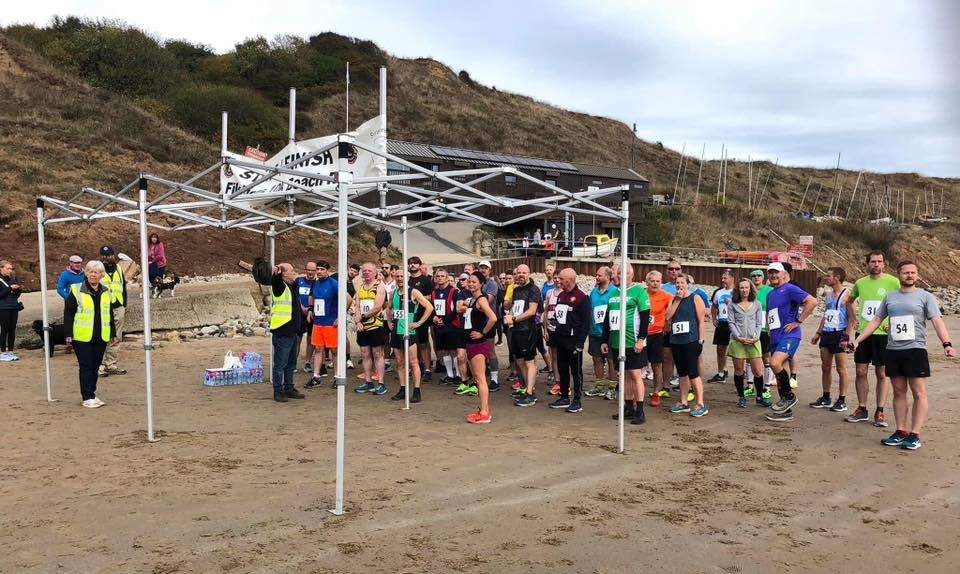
(114, 283)
(281, 308)
(83, 320)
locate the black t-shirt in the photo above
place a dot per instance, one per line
(523, 297)
(351, 290)
(423, 284)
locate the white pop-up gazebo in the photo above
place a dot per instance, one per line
(262, 197)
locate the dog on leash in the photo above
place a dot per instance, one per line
(57, 336)
(165, 283)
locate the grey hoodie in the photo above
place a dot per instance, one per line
(745, 323)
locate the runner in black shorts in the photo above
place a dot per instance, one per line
(834, 341)
(908, 309)
(527, 301)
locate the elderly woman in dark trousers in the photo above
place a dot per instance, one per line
(9, 308)
(88, 324)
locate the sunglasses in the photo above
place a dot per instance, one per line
(673, 269)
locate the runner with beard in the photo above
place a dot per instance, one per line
(527, 302)
(659, 302)
(908, 309)
(833, 341)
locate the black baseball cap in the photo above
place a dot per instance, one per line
(106, 251)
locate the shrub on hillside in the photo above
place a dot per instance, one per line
(253, 120)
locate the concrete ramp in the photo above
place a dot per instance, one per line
(443, 242)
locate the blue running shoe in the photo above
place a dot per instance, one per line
(380, 390)
(680, 408)
(699, 411)
(742, 402)
(912, 442)
(896, 439)
(365, 388)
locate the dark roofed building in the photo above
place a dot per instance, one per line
(573, 177)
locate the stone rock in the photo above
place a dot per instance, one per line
(210, 330)
(260, 331)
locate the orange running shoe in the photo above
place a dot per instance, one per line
(479, 418)
(655, 400)
(555, 390)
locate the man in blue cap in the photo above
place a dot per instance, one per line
(116, 284)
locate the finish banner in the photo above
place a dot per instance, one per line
(372, 134)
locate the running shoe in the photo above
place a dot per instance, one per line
(691, 396)
(462, 389)
(401, 394)
(839, 406)
(663, 394)
(575, 407)
(610, 395)
(323, 371)
(313, 383)
(555, 389)
(718, 378)
(655, 400)
(545, 370)
(598, 390)
(680, 408)
(699, 411)
(749, 392)
(387, 366)
(491, 386)
(742, 402)
(560, 403)
(793, 382)
(551, 378)
(781, 417)
(785, 404)
(349, 364)
(767, 394)
(765, 403)
(415, 397)
(427, 376)
(472, 391)
(912, 442)
(675, 382)
(880, 420)
(648, 376)
(380, 390)
(859, 416)
(479, 418)
(517, 393)
(896, 439)
(307, 368)
(638, 418)
(525, 401)
(516, 386)
(821, 403)
(365, 388)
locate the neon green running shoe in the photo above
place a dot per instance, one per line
(462, 389)
(767, 395)
(690, 397)
(749, 392)
(472, 391)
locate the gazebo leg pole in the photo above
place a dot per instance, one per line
(624, 286)
(406, 307)
(272, 235)
(340, 374)
(41, 239)
(145, 287)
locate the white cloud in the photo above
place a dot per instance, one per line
(798, 80)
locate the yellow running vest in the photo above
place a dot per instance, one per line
(368, 300)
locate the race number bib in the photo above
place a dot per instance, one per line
(518, 307)
(599, 314)
(366, 306)
(870, 309)
(773, 319)
(831, 319)
(305, 291)
(902, 328)
(722, 312)
(319, 308)
(397, 314)
(681, 327)
(468, 320)
(615, 320)
(562, 311)
(440, 306)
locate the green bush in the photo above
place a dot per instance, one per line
(253, 120)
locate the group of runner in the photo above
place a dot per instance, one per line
(757, 326)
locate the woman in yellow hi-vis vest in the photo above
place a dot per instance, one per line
(88, 324)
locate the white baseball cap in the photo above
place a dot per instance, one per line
(775, 266)
(485, 263)
(76, 259)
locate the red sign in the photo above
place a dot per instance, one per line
(256, 154)
(804, 248)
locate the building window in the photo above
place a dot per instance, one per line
(510, 180)
(596, 182)
(394, 168)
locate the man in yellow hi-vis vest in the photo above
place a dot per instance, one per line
(116, 284)
(285, 320)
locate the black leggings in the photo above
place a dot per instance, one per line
(570, 365)
(8, 328)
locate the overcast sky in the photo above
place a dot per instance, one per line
(878, 81)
